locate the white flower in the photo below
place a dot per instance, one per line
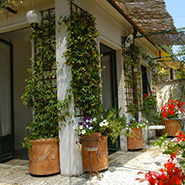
(90, 128)
(75, 127)
(81, 127)
(94, 119)
(104, 121)
(106, 124)
(101, 124)
(83, 132)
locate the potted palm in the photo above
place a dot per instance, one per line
(134, 133)
(170, 113)
(93, 134)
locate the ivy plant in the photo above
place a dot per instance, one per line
(83, 57)
(41, 90)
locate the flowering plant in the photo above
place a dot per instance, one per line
(137, 124)
(172, 109)
(170, 175)
(150, 108)
(89, 125)
(173, 147)
(108, 122)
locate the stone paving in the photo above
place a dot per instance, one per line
(123, 169)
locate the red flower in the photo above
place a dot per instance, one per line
(145, 95)
(171, 110)
(171, 175)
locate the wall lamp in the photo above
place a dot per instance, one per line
(34, 18)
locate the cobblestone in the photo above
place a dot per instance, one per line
(123, 169)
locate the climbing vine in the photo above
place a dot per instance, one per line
(41, 91)
(132, 72)
(83, 57)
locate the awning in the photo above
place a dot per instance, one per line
(151, 16)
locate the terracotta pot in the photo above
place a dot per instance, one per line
(135, 142)
(94, 153)
(172, 127)
(44, 157)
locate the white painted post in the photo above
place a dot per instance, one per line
(70, 152)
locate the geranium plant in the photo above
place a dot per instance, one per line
(174, 147)
(170, 175)
(137, 124)
(172, 109)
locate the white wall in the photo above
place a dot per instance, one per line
(166, 90)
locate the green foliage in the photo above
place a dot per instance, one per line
(116, 123)
(150, 109)
(41, 89)
(11, 4)
(83, 57)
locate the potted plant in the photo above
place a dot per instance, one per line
(93, 134)
(150, 109)
(170, 112)
(134, 134)
(41, 98)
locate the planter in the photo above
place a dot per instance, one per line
(94, 153)
(44, 157)
(135, 142)
(172, 127)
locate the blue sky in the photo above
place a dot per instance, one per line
(176, 8)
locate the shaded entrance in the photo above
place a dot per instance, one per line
(6, 101)
(109, 85)
(15, 53)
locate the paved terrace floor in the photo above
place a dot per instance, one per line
(123, 169)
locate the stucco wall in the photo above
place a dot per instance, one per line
(168, 90)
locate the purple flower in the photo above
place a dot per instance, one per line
(129, 123)
(89, 118)
(76, 142)
(87, 123)
(84, 119)
(80, 123)
(86, 126)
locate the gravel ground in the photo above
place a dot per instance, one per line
(123, 169)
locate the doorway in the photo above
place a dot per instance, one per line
(6, 101)
(15, 53)
(109, 85)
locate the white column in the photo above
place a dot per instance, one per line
(70, 152)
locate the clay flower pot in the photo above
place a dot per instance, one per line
(94, 152)
(44, 157)
(172, 127)
(135, 142)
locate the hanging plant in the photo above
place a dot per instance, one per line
(83, 57)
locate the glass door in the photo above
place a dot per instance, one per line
(6, 101)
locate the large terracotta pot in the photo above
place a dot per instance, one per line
(172, 127)
(44, 157)
(94, 152)
(135, 142)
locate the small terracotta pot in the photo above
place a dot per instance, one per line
(172, 127)
(44, 157)
(135, 142)
(94, 152)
